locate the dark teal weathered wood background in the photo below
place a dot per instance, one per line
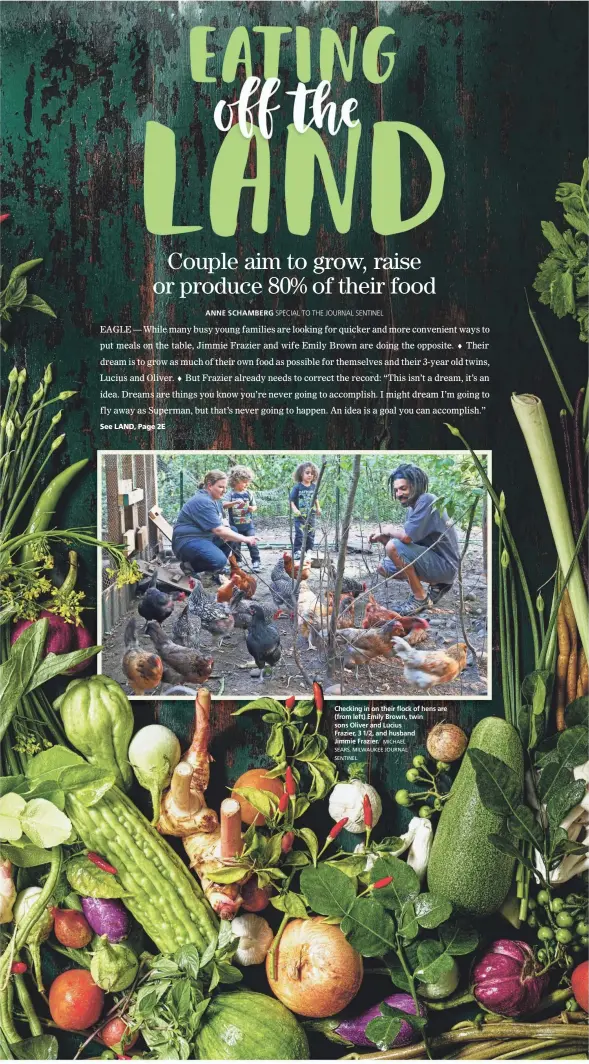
(499, 87)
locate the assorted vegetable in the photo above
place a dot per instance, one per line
(106, 916)
(356, 801)
(318, 973)
(75, 1001)
(154, 753)
(373, 1027)
(157, 955)
(508, 980)
(98, 721)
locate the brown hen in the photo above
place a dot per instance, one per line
(143, 669)
(192, 666)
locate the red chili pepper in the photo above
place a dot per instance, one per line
(287, 841)
(283, 803)
(290, 701)
(367, 811)
(290, 783)
(337, 828)
(318, 696)
(101, 863)
(3, 217)
(19, 968)
(382, 882)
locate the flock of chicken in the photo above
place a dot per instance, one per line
(382, 633)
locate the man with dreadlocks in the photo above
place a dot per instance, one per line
(424, 548)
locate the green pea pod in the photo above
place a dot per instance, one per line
(91, 882)
(98, 721)
(46, 507)
(22, 268)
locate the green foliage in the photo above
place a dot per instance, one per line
(453, 479)
(15, 296)
(563, 277)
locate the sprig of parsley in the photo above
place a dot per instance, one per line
(563, 278)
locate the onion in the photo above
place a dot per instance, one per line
(318, 972)
(506, 980)
(446, 742)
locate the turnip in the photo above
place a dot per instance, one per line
(154, 753)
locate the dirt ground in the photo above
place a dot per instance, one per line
(231, 673)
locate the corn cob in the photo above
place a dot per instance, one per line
(162, 895)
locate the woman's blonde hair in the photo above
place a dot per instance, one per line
(240, 472)
(211, 477)
(298, 473)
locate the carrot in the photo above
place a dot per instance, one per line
(571, 682)
(583, 677)
(562, 662)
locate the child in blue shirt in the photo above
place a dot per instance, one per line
(301, 498)
(241, 504)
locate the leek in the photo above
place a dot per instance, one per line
(531, 416)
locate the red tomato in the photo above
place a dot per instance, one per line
(113, 1031)
(75, 1001)
(580, 986)
(71, 928)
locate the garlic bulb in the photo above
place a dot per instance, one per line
(346, 799)
(255, 938)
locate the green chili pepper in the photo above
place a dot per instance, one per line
(22, 268)
(47, 505)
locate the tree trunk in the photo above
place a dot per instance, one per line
(341, 561)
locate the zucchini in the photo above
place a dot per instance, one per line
(243, 1025)
(464, 866)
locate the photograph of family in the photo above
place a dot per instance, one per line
(266, 572)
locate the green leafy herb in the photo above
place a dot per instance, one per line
(15, 296)
(384, 1029)
(563, 277)
(431, 910)
(369, 928)
(328, 891)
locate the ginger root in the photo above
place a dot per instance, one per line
(184, 813)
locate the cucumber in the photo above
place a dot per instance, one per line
(464, 866)
(244, 1025)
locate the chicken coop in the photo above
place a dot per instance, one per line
(129, 494)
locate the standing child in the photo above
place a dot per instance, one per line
(241, 504)
(301, 498)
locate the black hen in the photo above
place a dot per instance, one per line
(155, 605)
(262, 639)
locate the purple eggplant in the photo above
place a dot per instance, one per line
(107, 916)
(353, 1031)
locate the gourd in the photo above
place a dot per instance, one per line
(158, 889)
(464, 866)
(161, 893)
(243, 1025)
(98, 721)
